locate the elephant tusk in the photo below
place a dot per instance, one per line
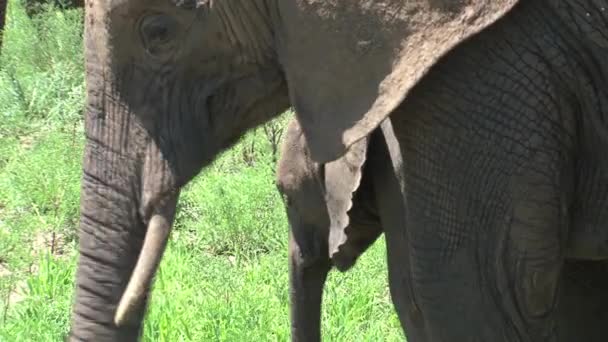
(152, 250)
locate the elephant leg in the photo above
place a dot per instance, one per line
(306, 279)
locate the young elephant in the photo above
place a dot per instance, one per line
(333, 216)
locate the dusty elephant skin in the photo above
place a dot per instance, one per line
(497, 106)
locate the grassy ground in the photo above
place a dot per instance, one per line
(224, 276)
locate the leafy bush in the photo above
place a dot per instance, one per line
(42, 71)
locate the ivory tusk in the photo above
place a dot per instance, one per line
(151, 253)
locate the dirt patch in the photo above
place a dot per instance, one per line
(51, 242)
(16, 290)
(4, 271)
(43, 242)
(16, 294)
(27, 142)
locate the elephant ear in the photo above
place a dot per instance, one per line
(342, 179)
(349, 63)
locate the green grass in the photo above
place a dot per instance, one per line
(224, 275)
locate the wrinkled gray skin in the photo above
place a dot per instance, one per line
(305, 184)
(498, 106)
(353, 180)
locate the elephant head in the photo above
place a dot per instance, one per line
(171, 83)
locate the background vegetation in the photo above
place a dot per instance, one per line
(224, 275)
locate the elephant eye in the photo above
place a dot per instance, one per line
(157, 31)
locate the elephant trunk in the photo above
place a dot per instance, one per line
(128, 201)
(306, 280)
(120, 248)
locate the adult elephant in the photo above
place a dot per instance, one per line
(497, 106)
